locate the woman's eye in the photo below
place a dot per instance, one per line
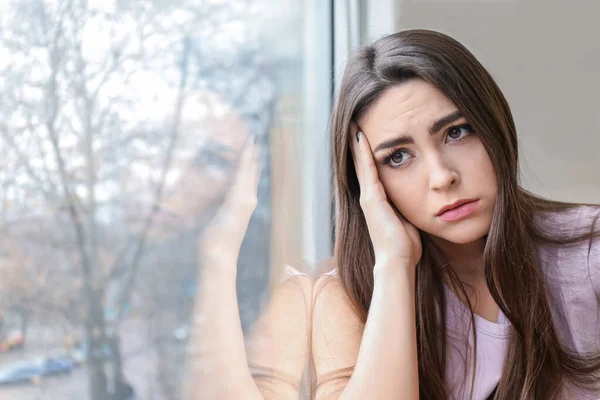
(397, 158)
(457, 133)
(212, 159)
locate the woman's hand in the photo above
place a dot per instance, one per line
(393, 237)
(222, 239)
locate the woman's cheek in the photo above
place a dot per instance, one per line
(404, 199)
(485, 174)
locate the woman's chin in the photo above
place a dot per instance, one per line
(463, 233)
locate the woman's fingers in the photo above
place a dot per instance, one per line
(355, 150)
(225, 233)
(245, 162)
(364, 164)
(391, 234)
(371, 189)
(368, 168)
(245, 182)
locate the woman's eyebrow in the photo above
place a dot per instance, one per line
(433, 129)
(442, 122)
(210, 147)
(216, 147)
(397, 141)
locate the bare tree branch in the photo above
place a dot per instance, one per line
(126, 288)
(23, 159)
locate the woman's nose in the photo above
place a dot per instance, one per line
(442, 175)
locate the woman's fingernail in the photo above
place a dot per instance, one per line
(357, 136)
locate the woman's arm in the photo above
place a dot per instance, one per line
(384, 353)
(279, 342)
(218, 360)
(269, 364)
(217, 365)
(385, 362)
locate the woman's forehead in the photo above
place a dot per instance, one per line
(205, 104)
(208, 118)
(413, 104)
(412, 98)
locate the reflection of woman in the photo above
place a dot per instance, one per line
(276, 348)
(200, 173)
(435, 237)
(203, 162)
(247, 340)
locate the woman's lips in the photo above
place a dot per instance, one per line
(460, 212)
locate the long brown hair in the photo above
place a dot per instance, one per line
(538, 364)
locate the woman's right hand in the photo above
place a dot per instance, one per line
(393, 237)
(222, 239)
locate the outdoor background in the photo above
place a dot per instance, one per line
(120, 123)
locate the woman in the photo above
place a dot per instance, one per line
(452, 281)
(249, 319)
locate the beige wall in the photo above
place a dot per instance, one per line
(545, 56)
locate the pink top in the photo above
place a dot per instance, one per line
(573, 277)
(573, 274)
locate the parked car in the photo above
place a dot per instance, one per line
(30, 371)
(66, 359)
(24, 372)
(55, 366)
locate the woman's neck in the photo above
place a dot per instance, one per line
(466, 259)
(467, 262)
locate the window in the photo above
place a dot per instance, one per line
(120, 125)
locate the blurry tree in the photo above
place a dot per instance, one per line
(34, 285)
(89, 117)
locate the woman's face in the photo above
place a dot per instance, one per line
(428, 157)
(211, 139)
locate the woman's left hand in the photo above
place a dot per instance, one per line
(222, 239)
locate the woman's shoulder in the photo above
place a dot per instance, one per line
(579, 261)
(577, 225)
(330, 298)
(573, 276)
(326, 285)
(277, 347)
(588, 215)
(291, 272)
(580, 218)
(336, 329)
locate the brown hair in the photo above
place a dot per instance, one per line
(537, 363)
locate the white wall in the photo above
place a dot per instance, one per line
(545, 56)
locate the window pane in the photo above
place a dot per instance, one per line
(122, 124)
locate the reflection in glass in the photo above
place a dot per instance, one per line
(122, 124)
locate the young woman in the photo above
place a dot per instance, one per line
(249, 320)
(451, 280)
(266, 360)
